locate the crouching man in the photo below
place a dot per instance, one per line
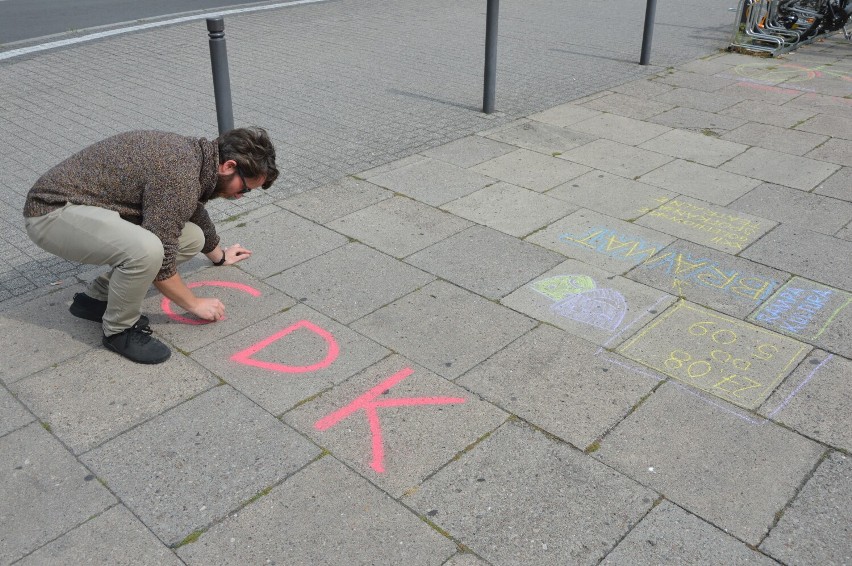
(135, 202)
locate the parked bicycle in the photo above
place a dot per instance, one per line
(778, 26)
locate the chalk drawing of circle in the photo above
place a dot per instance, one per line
(561, 286)
(602, 308)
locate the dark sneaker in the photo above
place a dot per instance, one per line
(136, 344)
(86, 307)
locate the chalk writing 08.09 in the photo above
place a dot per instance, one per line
(726, 357)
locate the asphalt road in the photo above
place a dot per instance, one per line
(22, 20)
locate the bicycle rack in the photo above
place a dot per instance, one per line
(758, 29)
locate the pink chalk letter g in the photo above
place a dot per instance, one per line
(368, 402)
(245, 356)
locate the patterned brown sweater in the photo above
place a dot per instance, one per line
(157, 180)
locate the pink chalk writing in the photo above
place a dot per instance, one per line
(245, 356)
(166, 303)
(369, 404)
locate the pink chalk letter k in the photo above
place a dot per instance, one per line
(368, 402)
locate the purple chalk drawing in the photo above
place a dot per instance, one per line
(603, 308)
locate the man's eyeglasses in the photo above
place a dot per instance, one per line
(245, 188)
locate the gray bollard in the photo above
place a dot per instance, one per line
(648, 34)
(490, 56)
(221, 78)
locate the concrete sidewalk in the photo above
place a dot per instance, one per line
(613, 331)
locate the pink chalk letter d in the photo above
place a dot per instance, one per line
(368, 402)
(245, 356)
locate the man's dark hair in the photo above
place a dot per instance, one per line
(253, 151)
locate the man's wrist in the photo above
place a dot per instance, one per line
(221, 261)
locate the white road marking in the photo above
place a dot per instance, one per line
(99, 35)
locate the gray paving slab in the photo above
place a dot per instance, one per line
(697, 147)
(444, 328)
(698, 99)
(832, 125)
(288, 358)
(13, 415)
(113, 537)
(706, 183)
(589, 302)
(432, 181)
(697, 81)
(816, 529)
(613, 157)
(90, 399)
(636, 106)
(511, 209)
(198, 462)
(565, 114)
(350, 281)
(800, 251)
(465, 559)
(697, 120)
(716, 227)
(670, 535)
(426, 422)
(644, 87)
(45, 492)
(815, 400)
(785, 140)
(531, 169)
(781, 168)
(728, 471)
(42, 332)
(790, 206)
(717, 280)
(780, 116)
(726, 357)
(764, 93)
(325, 514)
(340, 198)
(391, 166)
(485, 261)
(246, 301)
(535, 507)
(601, 241)
(558, 383)
(542, 137)
(399, 226)
(838, 185)
(825, 105)
(811, 312)
(279, 242)
(469, 151)
(845, 234)
(619, 128)
(612, 195)
(834, 150)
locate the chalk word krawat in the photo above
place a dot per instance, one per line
(802, 308)
(681, 266)
(578, 298)
(705, 272)
(728, 358)
(609, 242)
(729, 230)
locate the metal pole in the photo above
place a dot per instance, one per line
(648, 34)
(221, 78)
(490, 56)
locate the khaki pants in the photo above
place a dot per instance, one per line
(93, 235)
